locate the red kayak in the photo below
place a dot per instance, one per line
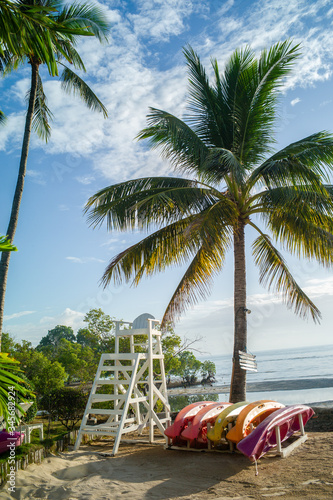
(263, 438)
(182, 420)
(197, 430)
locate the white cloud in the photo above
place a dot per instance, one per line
(86, 180)
(295, 101)
(63, 208)
(84, 260)
(127, 75)
(36, 177)
(17, 315)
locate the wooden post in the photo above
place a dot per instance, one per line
(278, 439)
(151, 382)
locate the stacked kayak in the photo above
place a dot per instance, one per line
(255, 428)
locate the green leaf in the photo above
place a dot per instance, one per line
(275, 273)
(6, 246)
(73, 84)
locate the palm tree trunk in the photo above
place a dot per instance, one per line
(238, 378)
(5, 256)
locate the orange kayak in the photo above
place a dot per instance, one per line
(251, 416)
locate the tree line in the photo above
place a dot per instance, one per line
(62, 358)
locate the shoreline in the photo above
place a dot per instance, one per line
(268, 385)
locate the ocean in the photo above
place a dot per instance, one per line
(312, 365)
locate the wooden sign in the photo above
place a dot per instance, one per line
(247, 361)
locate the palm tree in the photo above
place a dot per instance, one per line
(56, 32)
(225, 143)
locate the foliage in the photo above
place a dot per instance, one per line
(6, 246)
(65, 404)
(8, 343)
(177, 403)
(189, 367)
(30, 414)
(99, 332)
(226, 145)
(13, 388)
(79, 362)
(43, 373)
(55, 335)
(208, 371)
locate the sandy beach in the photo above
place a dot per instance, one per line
(150, 472)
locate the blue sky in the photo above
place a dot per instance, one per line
(54, 277)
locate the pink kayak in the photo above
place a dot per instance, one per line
(184, 417)
(197, 429)
(263, 437)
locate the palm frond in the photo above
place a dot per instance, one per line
(302, 220)
(66, 49)
(85, 17)
(197, 280)
(6, 245)
(308, 161)
(72, 83)
(169, 245)
(178, 142)
(151, 200)
(2, 118)
(11, 382)
(256, 99)
(205, 235)
(42, 114)
(275, 274)
(204, 113)
(221, 163)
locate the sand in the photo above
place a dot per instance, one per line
(150, 472)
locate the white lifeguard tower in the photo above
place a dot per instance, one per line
(136, 387)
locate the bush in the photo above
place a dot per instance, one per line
(65, 404)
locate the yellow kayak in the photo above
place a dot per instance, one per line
(221, 423)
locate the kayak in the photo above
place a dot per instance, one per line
(184, 417)
(197, 429)
(263, 438)
(251, 416)
(229, 414)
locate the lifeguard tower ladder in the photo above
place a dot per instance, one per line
(136, 388)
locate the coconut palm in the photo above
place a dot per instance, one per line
(59, 29)
(226, 143)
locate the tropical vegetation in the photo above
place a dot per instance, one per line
(44, 32)
(225, 143)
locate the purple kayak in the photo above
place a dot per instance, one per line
(263, 437)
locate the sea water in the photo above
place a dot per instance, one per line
(286, 364)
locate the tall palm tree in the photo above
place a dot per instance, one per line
(225, 142)
(57, 32)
